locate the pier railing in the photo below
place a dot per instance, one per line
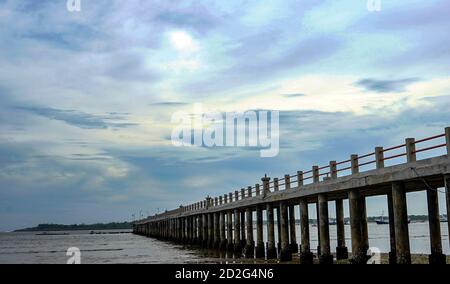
(334, 169)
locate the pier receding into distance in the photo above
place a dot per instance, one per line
(226, 222)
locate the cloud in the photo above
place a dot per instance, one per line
(298, 95)
(386, 86)
(79, 119)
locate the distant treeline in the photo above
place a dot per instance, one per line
(80, 227)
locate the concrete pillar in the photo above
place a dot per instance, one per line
(285, 252)
(292, 232)
(447, 140)
(392, 253)
(364, 230)
(210, 231)
(325, 249)
(277, 209)
(230, 246)
(200, 229)
(223, 239)
(401, 224)
(259, 251)
(243, 231)
(341, 249)
(306, 256)
(271, 250)
(237, 232)
(447, 194)
(205, 231)
(436, 256)
(249, 249)
(216, 230)
(358, 252)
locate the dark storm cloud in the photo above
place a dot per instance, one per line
(386, 86)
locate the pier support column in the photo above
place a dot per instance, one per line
(306, 257)
(230, 247)
(243, 232)
(210, 231)
(341, 249)
(271, 250)
(259, 251)
(436, 256)
(237, 232)
(447, 186)
(200, 230)
(205, 230)
(285, 252)
(278, 228)
(358, 252)
(292, 231)
(393, 252)
(223, 239)
(249, 250)
(325, 249)
(364, 230)
(216, 231)
(401, 224)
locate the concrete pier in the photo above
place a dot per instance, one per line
(226, 222)
(285, 253)
(401, 224)
(306, 257)
(259, 250)
(325, 249)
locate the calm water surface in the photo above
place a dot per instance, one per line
(129, 248)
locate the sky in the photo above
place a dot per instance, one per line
(86, 98)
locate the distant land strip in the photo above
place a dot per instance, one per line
(78, 227)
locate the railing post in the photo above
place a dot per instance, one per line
(354, 164)
(230, 197)
(275, 184)
(333, 169)
(242, 193)
(257, 190)
(225, 198)
(379, 157)
(410, 150)
(220, 200)
(300, 178)
(249, 191)
(287, 182)
(236, 195)
(266, 185)
(447, 140)
(315, 172)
